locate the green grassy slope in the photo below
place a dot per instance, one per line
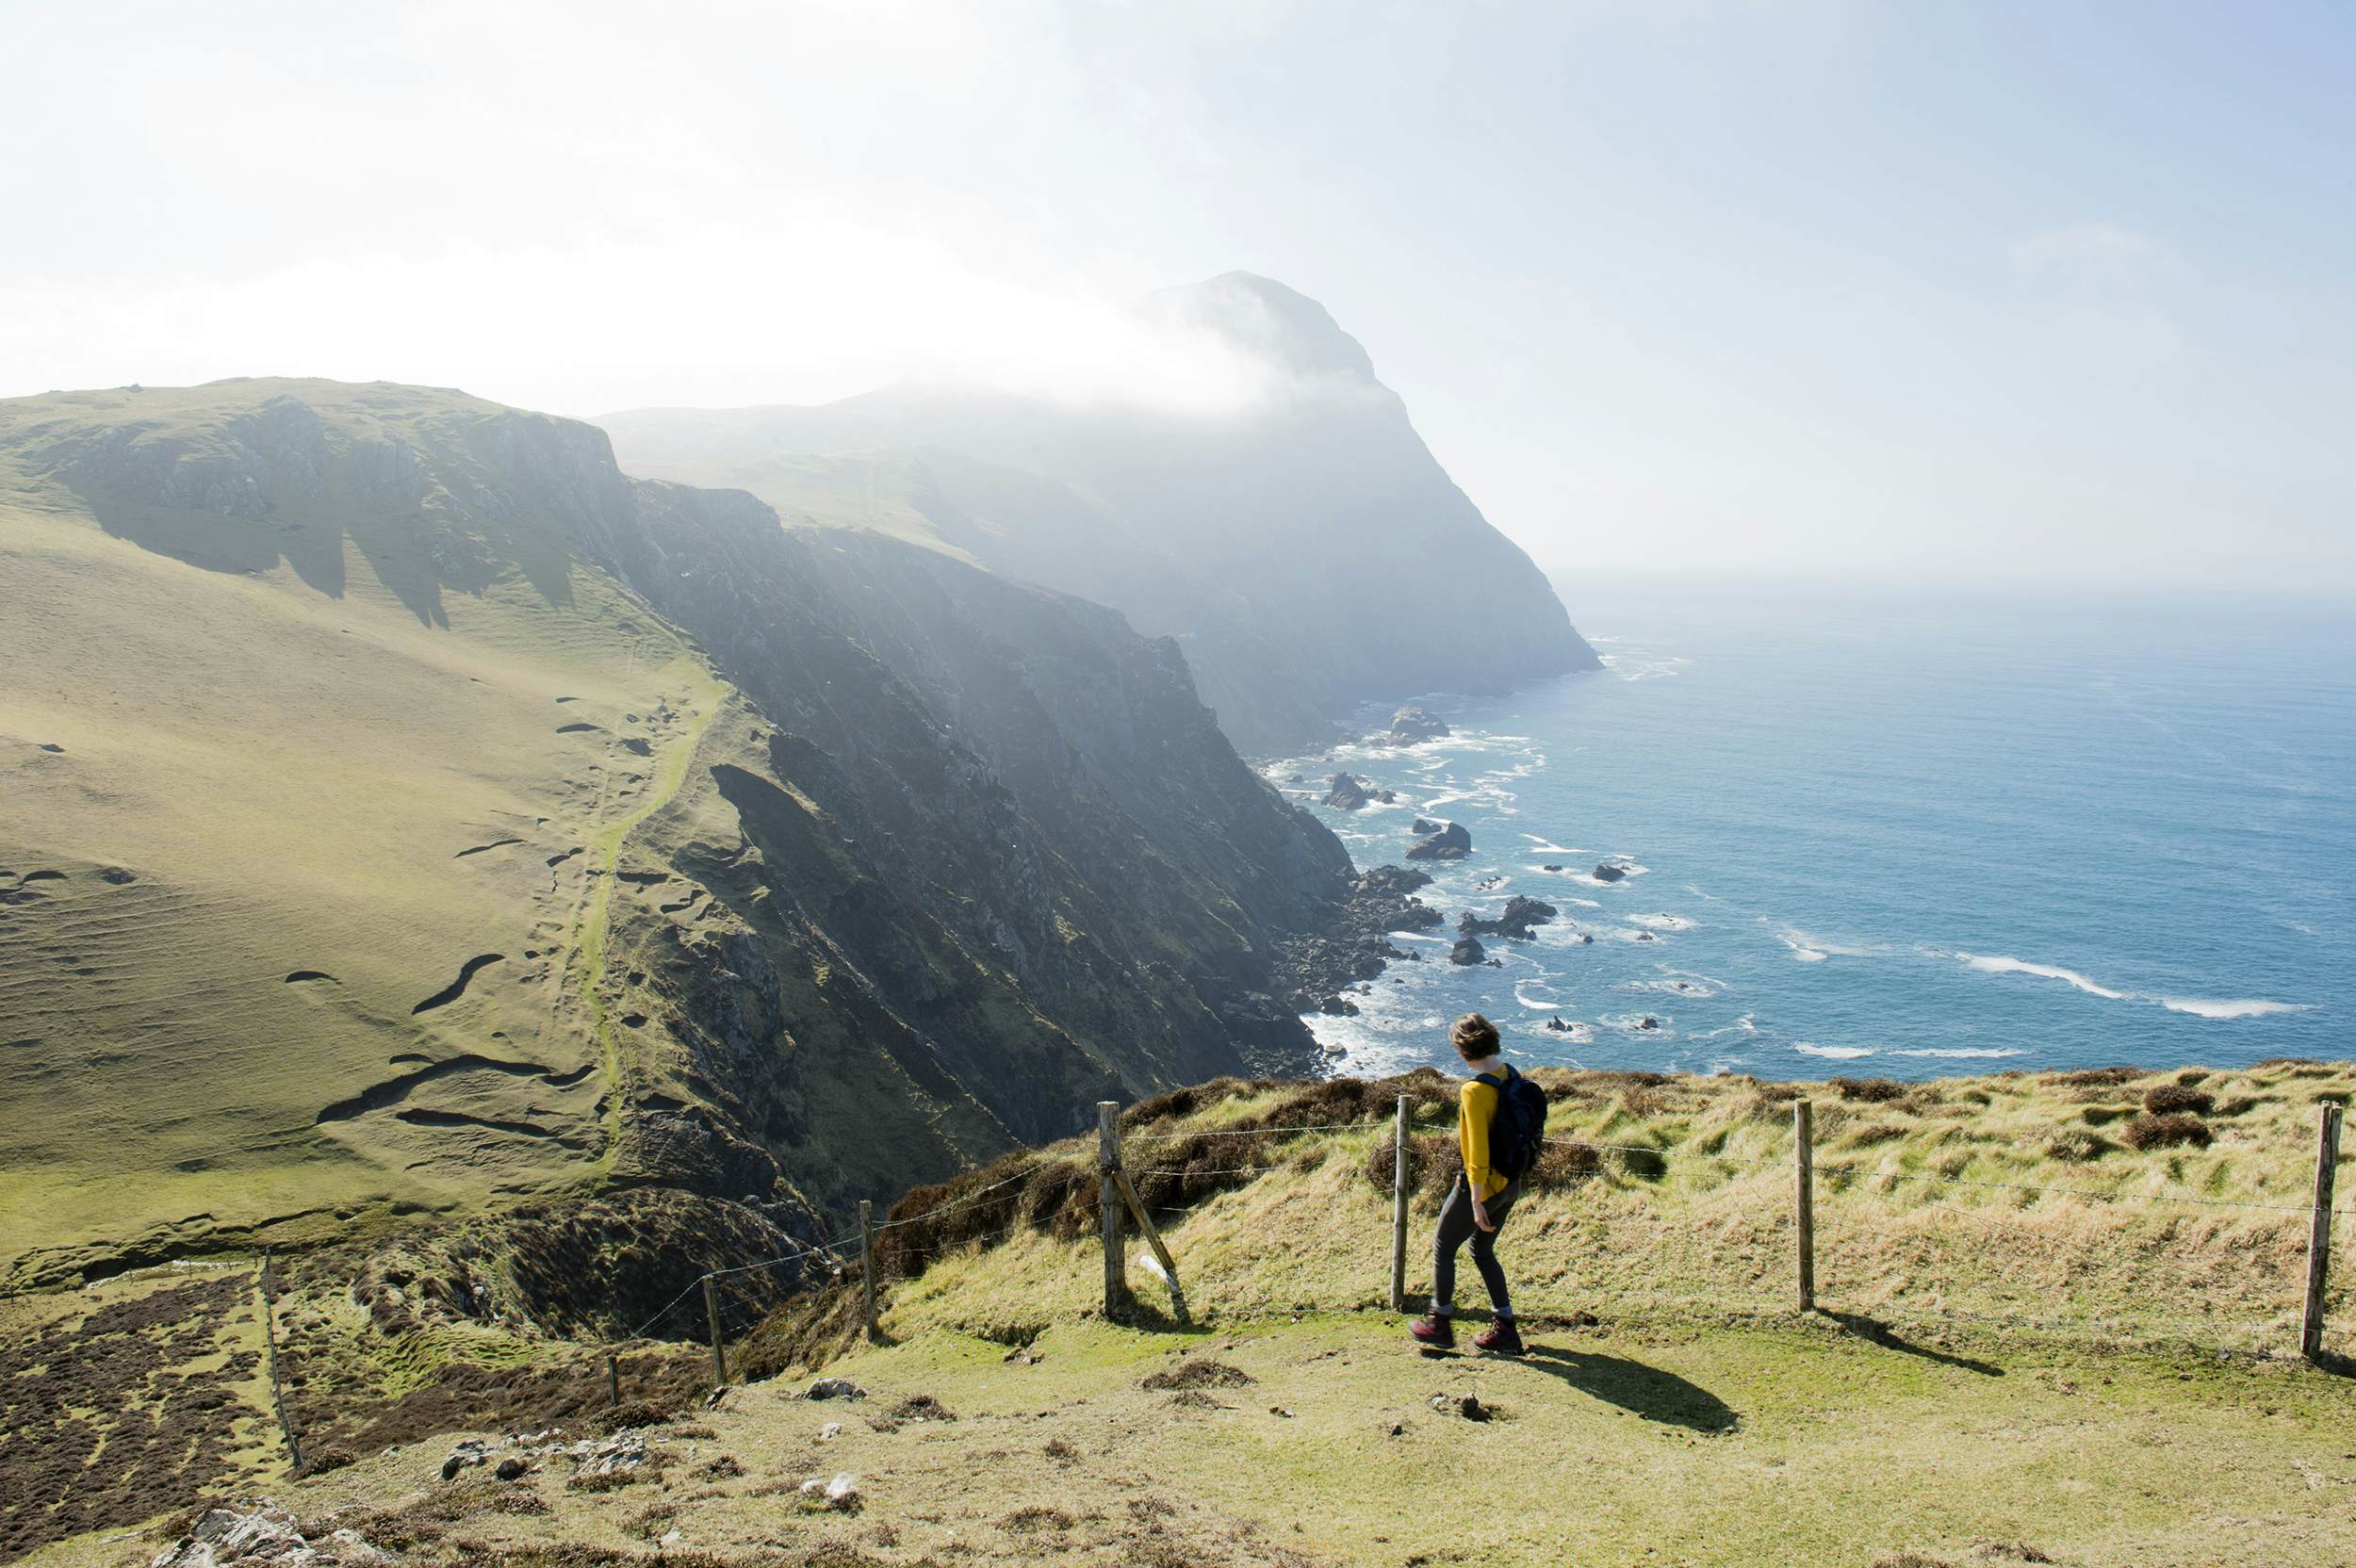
(401, 808)
(219, 776)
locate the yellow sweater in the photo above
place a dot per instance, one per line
(1475, 1105)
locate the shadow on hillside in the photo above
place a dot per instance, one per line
(1144, 1314)
(1875, 1331)
(1647, 1391)
(2334, 1363)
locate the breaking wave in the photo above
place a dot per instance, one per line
(2200, 1007)
(2006, 965)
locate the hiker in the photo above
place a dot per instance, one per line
(1500, 1121)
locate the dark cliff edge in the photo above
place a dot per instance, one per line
(929, 860)
(1301, 542)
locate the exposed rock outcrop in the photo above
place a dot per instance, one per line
(1449, 842)
(1356, 944)
(1412, 724)
(1467, 950)
(1348, 792)
(1519, 915)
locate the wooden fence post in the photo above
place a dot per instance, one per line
(867, 1266)
(1803, 1197)
(1153, 1239)
(2319, 1231)
(711, 1313)
(1109, 1203)
(612, 1380)
(1398, 1211)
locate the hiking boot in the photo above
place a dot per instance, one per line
(1500, 1338)
(1437, 1333)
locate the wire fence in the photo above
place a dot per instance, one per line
(1841, 1177)
(738, 1299)
(1844, 1179)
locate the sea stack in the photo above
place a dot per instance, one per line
(1410, 724)
(1451, 842)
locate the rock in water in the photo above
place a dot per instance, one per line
(1609, 873)
(1425, 825)
(1520, 915)
(1348, 792)
(1395, 881)
(1410, 724)
(1467, 950)
(1450, 842)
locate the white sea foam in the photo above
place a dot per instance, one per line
(1643, 666)
(2002, 964)
(1671, 987)
(1662, 922)
(1547, 1005)
(1838, 1052)
(1544, 847)
(1963, 1050)
(1815, 950)
(2200, 1007)
(2196, 1006)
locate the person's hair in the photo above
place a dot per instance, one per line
(1474, 1038)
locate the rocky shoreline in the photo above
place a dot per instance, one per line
(1318, 971)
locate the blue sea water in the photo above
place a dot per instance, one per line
(1890, 832)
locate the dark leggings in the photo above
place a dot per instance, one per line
(1456, 1226)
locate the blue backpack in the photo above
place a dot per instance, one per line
(1518, 1130)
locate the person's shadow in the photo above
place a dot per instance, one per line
(1647, 1391)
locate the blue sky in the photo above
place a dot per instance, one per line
(1946, 290)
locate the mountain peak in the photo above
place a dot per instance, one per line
(1265, 319)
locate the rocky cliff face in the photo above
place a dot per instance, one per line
(796, 866)
(1302, 546)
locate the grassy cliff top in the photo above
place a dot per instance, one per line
(2107, 1207)
(2038, 1368)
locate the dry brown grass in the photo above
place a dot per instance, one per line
(2177, 1099)
(2148, 1132)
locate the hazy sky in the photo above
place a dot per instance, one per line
(1918, 289)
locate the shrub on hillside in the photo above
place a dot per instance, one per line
(1873, 1091)
(2170, 1099)
(2166, 1132)
(2094, 1077)
(1433, 1162)
(2102, 1116)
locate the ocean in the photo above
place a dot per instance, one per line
(1887, 832)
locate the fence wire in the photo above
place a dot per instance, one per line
(1833, 1177)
